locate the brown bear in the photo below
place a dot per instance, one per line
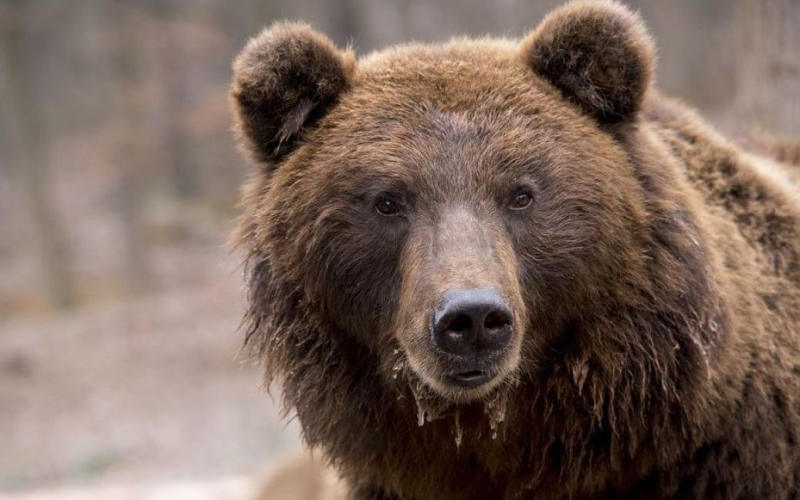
(512, 269)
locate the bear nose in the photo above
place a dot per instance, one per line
(472, 322)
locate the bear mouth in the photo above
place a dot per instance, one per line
(470, 379)
(464, 381)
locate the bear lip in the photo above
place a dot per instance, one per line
(470, 379)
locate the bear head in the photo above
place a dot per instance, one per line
(452, 218)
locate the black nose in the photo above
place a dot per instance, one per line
(472, 322)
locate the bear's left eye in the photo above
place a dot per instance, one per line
(521, 200)
(386, 206)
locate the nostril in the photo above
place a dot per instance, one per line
(495, 321)
(470, 323)
(460, 325)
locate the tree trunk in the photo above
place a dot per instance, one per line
(30, 156)
(181, 167)
(128, 20)
(768, 82)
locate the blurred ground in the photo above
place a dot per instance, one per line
(230, 488)
(136, 392)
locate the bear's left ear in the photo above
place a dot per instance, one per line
(284, 80)
(598, 54)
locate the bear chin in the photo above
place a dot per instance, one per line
(468, 385)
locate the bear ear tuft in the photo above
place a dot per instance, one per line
(597, 53)
(283, 81)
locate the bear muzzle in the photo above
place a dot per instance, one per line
(473, 326)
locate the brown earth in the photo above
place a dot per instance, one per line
(135, 392)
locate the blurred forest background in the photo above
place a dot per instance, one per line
(119, 302)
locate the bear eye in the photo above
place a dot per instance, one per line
(386, 206)
(521, 200)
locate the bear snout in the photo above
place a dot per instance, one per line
(472, 323)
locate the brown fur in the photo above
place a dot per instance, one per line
(598, 53)
(780, 149)
(655, 281)
(285, 79)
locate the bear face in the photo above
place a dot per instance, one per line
(450, 203)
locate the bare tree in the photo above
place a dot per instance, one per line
(128, 21)
(182, 169)
(768, 81)
(30, 153)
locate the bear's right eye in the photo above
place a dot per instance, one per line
(386, 206)
(521, 200)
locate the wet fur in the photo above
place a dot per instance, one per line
(661, 356)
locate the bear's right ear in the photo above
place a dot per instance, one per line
(284, 80)
(598, 54)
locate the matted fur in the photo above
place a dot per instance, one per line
(657, 277)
